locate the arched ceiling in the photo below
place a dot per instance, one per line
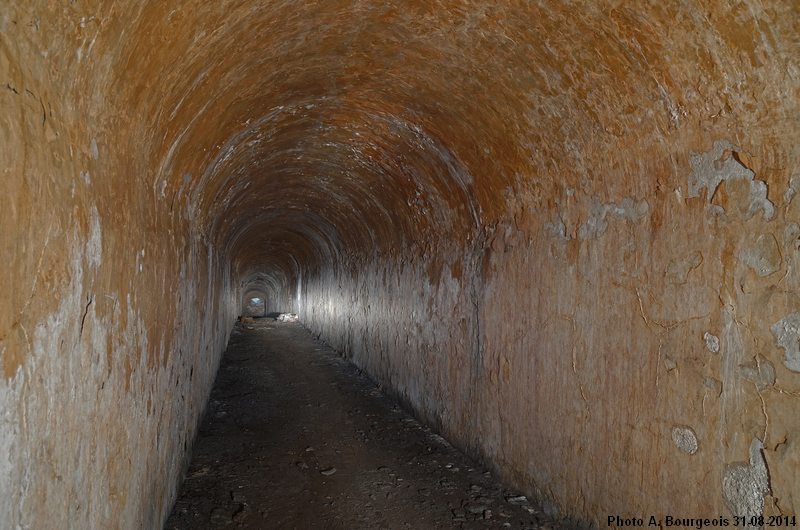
(298, 132)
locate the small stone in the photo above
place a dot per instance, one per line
(287, 317)
(200, 472)
(328, 471)
(517, 499)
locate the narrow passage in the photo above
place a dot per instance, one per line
(295, 437)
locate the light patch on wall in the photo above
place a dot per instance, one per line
(712, 342)
(744, 486)
(10, 476)
(791, 236)
(678, 269)
(95, 150)
(759, 371)
(791, 190)
(685, 439)
(764, 257)
(63, 395)
(138, 267)
(723, 163)
(629, 209)
(299, 290)
(787, 336)
(85, 368)
(94, 247)
(596, 225)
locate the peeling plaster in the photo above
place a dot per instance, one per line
(382, 178)
(94, 248)
(759, 371)
(744, 486)
(764, 257)
(791, 236)
(787, 336)
(107, 476)
(596, 225)
(712, 342)
(718, 165)
(37, 432)
(678, 269)
(685, 439)
(791, 190)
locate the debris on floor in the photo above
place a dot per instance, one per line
(287, 317)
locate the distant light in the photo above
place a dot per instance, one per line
(255, 300)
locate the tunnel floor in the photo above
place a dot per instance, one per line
(295, 437)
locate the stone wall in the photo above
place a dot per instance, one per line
(115, 309)
(565, 233)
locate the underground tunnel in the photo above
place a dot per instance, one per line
(564, 235)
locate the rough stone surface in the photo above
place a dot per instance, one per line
(684, 439)
(787, 336)
(745, 485)
(760, 371)
(712, 342)
(724, 164)
(517, 217)
(764, 257)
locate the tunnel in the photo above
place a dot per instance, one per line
(563, 234)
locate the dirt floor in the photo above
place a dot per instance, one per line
(296, 437)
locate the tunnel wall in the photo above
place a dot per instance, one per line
(115, 310)
(629, 355)
(564, 233)
(617, 333)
